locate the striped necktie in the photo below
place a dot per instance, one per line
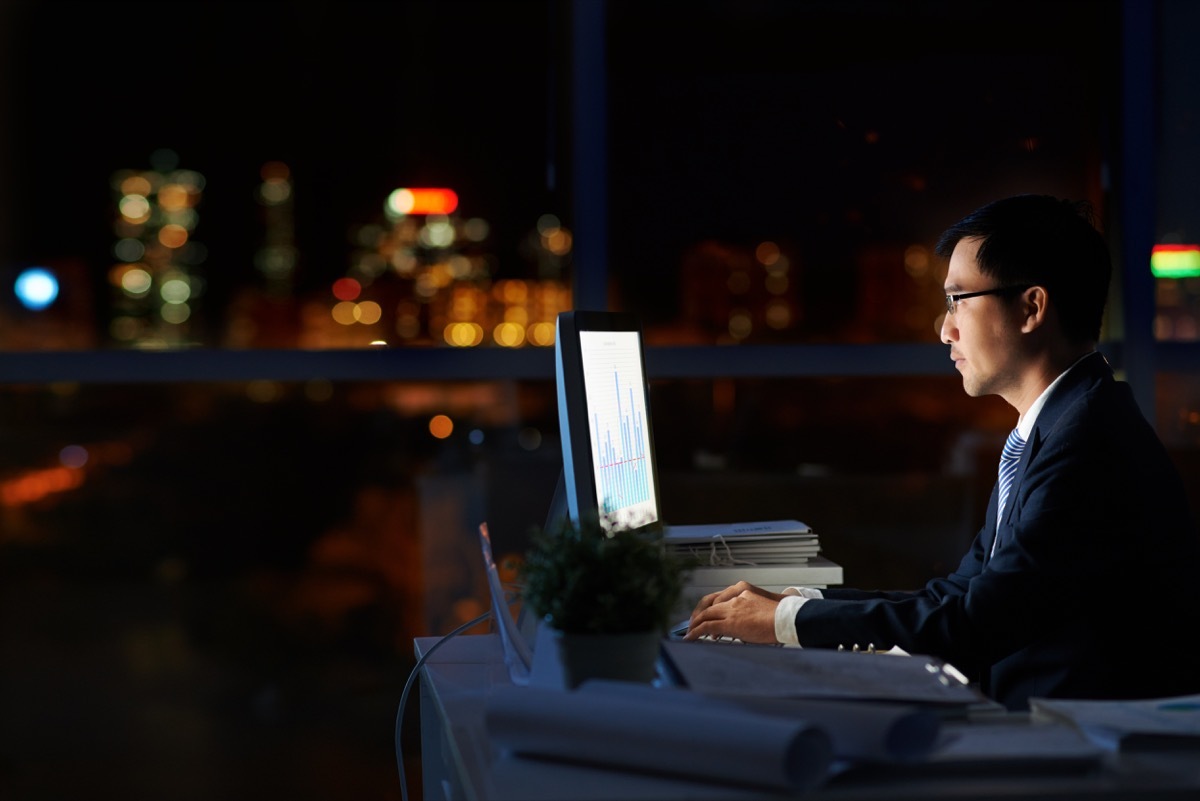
(1008, 471)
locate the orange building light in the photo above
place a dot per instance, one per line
(422, 201)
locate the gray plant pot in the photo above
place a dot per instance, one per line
(620, 657)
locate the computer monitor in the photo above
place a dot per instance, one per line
(604, 420)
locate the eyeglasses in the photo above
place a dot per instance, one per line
(952, 300)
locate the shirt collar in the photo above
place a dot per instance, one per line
(1025, 423)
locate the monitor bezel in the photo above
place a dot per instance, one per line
(579, 478)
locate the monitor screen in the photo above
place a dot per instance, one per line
(604, 420)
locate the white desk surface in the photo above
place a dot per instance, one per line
(460, 762)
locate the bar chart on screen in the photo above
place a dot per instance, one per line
(621, 438)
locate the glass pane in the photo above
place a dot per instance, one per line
(226, 175)
(892, 474)
(1175, 260)
(1178, 418)
(781, 171)
(778, 171)
(212, 590)
(1178, 398)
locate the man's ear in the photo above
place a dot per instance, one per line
(1034, 309)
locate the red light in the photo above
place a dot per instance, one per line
(1175, 261)
(346, 289)
(423, 201)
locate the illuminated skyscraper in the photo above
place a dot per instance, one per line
(156, 282)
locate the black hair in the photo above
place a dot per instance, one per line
(1043, 241)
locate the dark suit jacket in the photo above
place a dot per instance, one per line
(1094, 589)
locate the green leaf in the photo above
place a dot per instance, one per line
(582, 578)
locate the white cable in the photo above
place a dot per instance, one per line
(416, 671)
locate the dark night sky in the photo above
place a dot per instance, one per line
(358, 98)
(729, 120)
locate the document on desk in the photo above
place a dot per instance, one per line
(1149, 724)
(714, 668)
(1002, 746)
(757, 531)
(768, 542)
(644, 729)
(1017, 744)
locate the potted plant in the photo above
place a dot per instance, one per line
(606, 594)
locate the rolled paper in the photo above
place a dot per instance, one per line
(641, 728)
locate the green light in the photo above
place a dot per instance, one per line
(1175, 261)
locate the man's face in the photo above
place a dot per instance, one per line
(983, 333)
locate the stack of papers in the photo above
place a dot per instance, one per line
(1149, 724)
(767, 671)
(771, 542)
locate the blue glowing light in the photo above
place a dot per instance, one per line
(36, 288)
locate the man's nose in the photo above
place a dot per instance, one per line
(946, 328)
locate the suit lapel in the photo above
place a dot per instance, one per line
(1086, 374)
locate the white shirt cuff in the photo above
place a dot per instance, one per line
(785, 612)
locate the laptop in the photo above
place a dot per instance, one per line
(529, 650)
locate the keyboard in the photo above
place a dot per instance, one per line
(679, 629)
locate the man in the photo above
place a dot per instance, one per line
(1083, 579)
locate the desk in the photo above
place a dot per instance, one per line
(459, 762)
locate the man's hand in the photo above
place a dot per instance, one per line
(742, 611)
